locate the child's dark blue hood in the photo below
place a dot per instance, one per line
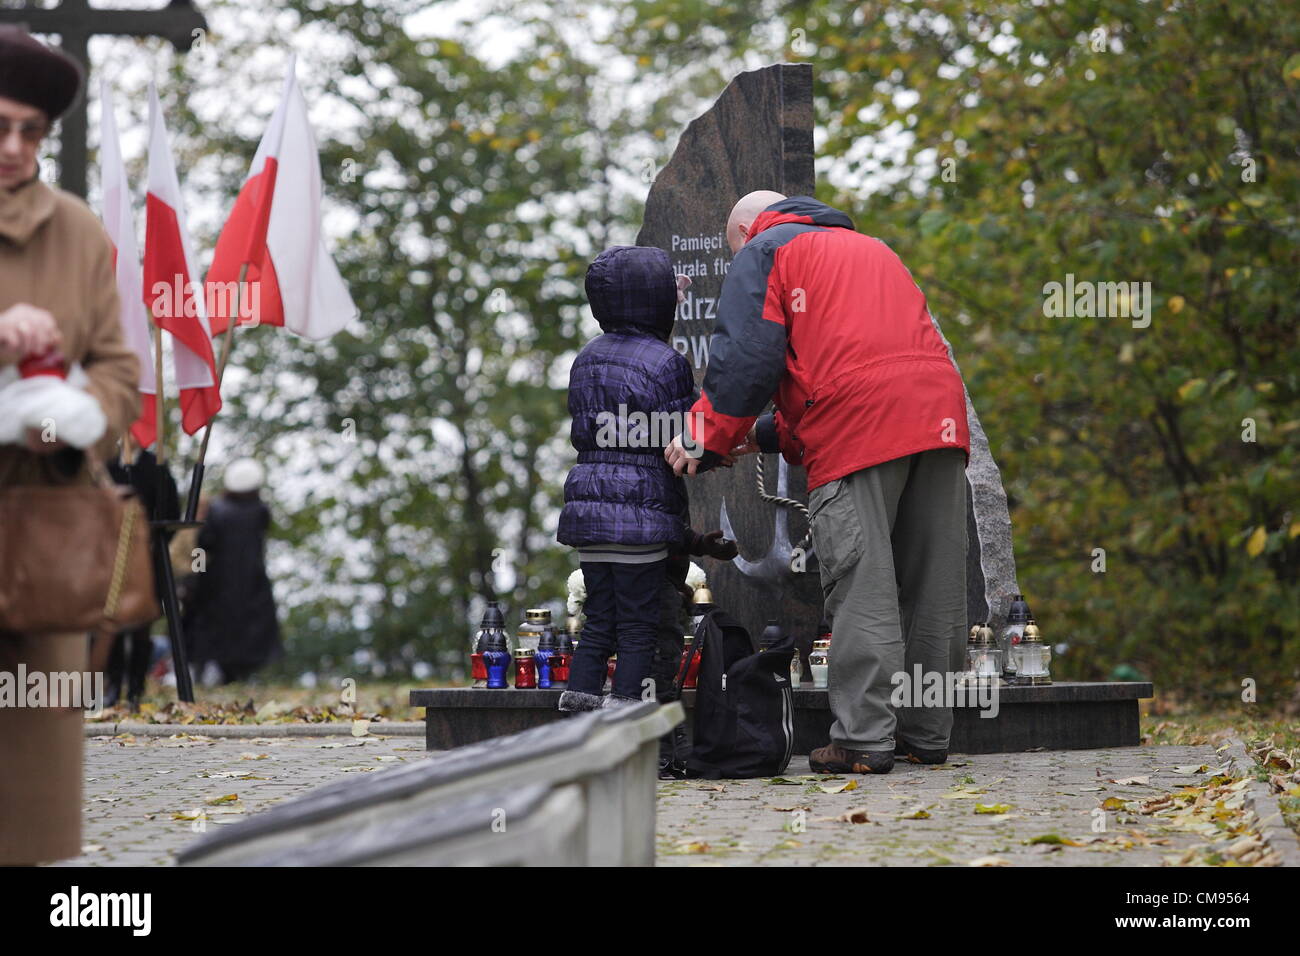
(633, 286)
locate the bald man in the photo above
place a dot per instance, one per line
(830, 323)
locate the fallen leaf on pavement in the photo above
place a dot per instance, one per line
(1052, 839)
(692, 846)
(839, 787)
(1279, 761)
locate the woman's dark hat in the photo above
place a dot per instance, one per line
(35, 74)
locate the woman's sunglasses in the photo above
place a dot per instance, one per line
(30, 132)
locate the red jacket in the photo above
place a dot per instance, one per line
(831, 322)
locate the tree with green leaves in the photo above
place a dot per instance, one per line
(1001, 147)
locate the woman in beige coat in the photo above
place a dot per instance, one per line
(57, 290)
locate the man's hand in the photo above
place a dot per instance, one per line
(716, 546)
(750, 447)
(677, 456)
(26, 330)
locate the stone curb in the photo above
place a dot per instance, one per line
(338, 729)
(1276, 835)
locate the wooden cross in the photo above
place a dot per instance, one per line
(75, 22)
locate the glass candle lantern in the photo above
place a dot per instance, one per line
(701, 604)
(1009, 639)
(819, 663)
(547, 657)
(490, 625)
(983, 655)
(536, 619)
(526, 668)
(573, 629)
(690, 661)
(1032, 659)
(497, 659)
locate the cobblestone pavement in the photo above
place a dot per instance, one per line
(146, 798)
(1020, 797)
(136, 786)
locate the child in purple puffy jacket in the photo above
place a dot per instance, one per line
(624, 509)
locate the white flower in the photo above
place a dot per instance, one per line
(695, 578)
(577, 593)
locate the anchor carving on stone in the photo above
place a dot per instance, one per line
(774, 566)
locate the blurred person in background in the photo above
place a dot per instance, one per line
(131, 652)
(231, 617)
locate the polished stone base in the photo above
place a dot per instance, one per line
(1064, 716)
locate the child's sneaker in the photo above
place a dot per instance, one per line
(575, 702)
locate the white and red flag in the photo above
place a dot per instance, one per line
(171, 290)
(275, 229)
(120, 226)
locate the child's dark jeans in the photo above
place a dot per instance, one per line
(623, 611)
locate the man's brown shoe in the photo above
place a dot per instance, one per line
(835, 759)
(916, 755)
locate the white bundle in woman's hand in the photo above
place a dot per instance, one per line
(59, 408)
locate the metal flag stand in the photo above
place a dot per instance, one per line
(161, 526)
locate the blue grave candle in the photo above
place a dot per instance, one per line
(497, 659)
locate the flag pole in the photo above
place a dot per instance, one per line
(159, 526)
(227, 340)
(159, 419)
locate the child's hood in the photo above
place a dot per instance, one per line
(633, 286)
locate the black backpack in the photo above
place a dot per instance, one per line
(744, 706)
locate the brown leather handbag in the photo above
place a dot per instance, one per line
(74, 558)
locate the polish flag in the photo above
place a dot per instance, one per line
(275, 228)
(120, 226)
(173, 296)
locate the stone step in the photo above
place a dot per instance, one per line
(1061, 716)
